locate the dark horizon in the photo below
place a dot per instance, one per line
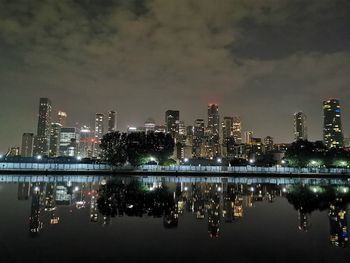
(262, 61)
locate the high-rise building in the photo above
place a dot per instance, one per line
(248, 135)
(68, 141)
(300, 131)
(99, 126)
(198, 137)
(87, 142)
(112, 121)
(13, 151)
(62, 118)
(172, 118)
(268, 143)
(332, 127)
(55, 135)
(27, 145)
(42, 140)
(237, 129)
(213, 130)
(149, 125)
(227, 128)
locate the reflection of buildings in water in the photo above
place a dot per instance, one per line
(238, 207)
(338, 225)
(228, 197)
(214, 211)
(35, 223)
(62, 195)
(93, 209)
(23, 191)
(49, 201)
(107, 220)
(304, 223)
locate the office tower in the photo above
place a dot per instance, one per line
(227, 128)
(332, 127)
(227, 134)
(87, 141)
(35, 223)
(268, 142)
(99, 126)
(42, 140)
(55, 134)
(339, 235)
(149, 125)
(300, 131)
(248, 137)
(27, 145)
(68, 141)
(62, 118)
(213, 130)
(237, 130)
(172, 118)
(112, 121)
(160, 129)
(99, 132)
(198, 137)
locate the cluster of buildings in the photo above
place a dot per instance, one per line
(210, 139)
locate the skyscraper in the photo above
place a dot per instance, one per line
(42, 140)
(69, 139)
(227, 127)
(300, 131)
(213, 129)
(112, 121)
(248, 135)
(62, 118)
(172, 118)
(27, 145)
(99, 132)
(55, 134)
(237, 129)
(332, 127)
(198, 137)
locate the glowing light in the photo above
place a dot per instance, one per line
(36, 189)
(185, 188)
(186, 160)
(219, 160)
(219, 189)
(76, 189)
(252, 189)
(284, 190)
(79, 158)
(39, 157)
(251, 161)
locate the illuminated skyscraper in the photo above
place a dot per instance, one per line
(68, 141)
(172, 118)
(300, 130)
(42, 140)
(87, 141)
(227, 127)
(332, 127)
(99, 132)
(213, 129)
(62, 118)
(237, 130)
(112, 121)
(248, 135)
(198, 137)
(55, 135)
(27, 145)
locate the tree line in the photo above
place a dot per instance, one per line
(137, 148)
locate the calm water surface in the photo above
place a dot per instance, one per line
(167, 219)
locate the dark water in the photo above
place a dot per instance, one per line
(164, 219)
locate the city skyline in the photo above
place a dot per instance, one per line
(260, 60)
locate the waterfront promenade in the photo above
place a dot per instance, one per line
(100, 169)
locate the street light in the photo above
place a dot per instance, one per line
(219, 160)
(39, 157)
(251, 161)
(79, 158)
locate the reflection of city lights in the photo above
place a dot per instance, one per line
(76, 189)
(185, 188)
(284, 190)
(79, 158)
(251, 189)
(36, 188)
(103, 182)
(219, 189)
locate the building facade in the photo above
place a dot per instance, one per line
(300, 130)
(27, 145)
(332, 126)
(42, 139)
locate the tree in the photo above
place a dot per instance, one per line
(114, 148)
(302, 152)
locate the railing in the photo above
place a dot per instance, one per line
(81, 167)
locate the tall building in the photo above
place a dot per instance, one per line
(172, 118)
(213, 130)
(248, 135)
(227, 128)
(68, 141)
(300, 131)
(198, 137)
(149, 125)
(42, 140)
(237, 129)
(112, 121)
(99, 132)
(62, 118)
(55, 135)
(332, 127)
(268, 143)
(87, 142)
(27, 145)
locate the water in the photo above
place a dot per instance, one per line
(173, 219)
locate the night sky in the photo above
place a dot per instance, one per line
(261, 60)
